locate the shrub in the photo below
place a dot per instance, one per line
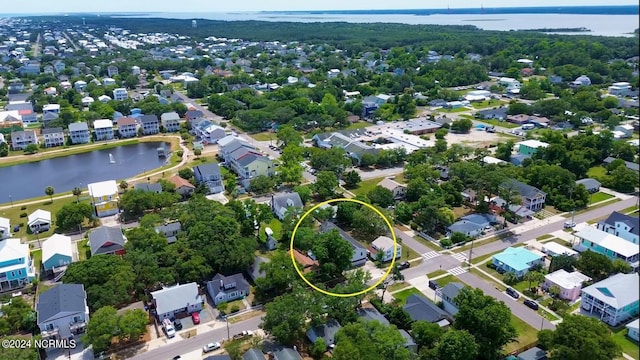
(23, 215)
(510, 278)
(235, 309)
(446, 243)
(179, 153)
(23, 207)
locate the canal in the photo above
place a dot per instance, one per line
(25, 181)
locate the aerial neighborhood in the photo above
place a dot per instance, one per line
(201, 191)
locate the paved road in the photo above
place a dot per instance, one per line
(71, 41)
(527, 315)
(183, 346)
(551, 227)
(208, 114)
(36, 47)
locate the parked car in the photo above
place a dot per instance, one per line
(404, 265)
(433, 285)
(243, 334)
(514, 294)
(195, 317)
(569, 224)
(177, 324)
(210, 347)
(531, 304)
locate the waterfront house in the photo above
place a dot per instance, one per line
(613, 300)
(57, 253)
(280, 204)
(359, 257)
(182, 186)
(103, 129)
(62, 311)
(569, 283)
(170, 231)
(532, 198)
(517, 260)
(227, 288)
(39, 221)
(127, 127)
(385, 245)
(612, 246)
(104, 196)
(5, 228)
(120, 94)
(398, 190)
(21, 139)
(53, 137)
(79, 133)
(150, 124)
(172, 301)
(170, 121)
(592, 185)
(16, 266)
(621, 225)
(210, 176)
(107, 240)
(420, 308)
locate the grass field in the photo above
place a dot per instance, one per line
(274, 225)
(628, 346)
(597, 172)
(402, 296)
(84, 252)
(599, 196)
(443, 281)
(488, 103)
(358, 125)
(366, 185)
(526, 335)
(544, 237)
(397, 286)
(496, 122)
(264, 136)
(433, 274)
(602, 204)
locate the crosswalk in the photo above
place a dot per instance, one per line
(457, 271)
(430, 255)
(460, 257)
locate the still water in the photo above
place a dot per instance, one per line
(29, 180)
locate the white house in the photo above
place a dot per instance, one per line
(62, 311)
(509, 83)
(399, 190)
(5, 228)
(621, 225)
(120, 94)
(384, 244)
(554, 249)
(227, 288)
(79, 85)
(39, 221)
(614, 300)
(633, 329)
(103, 129)
(333, 73)
(174, 300)
(582, 80)
(170, 121)
(79, 133)
(626, 129)
(53, 137)
(87, 100)
(612, 246)
(620, 89)
(570, 283)
(108, 81)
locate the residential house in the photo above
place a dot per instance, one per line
(420, 308)
(630, 165)
(104, 98)
(448, 295)
(170, 231)
(62, 311)
(148, 187)
(353, 147)
(175, 300)
(210, 176)
(281, 203)
(57, 253)
(254, 354)
(625, 129)
(191, 115)
(592, 185)
(360, 253)
(28, 116)
(212, 134)
(483, 220)
(399, 190)
(104, 196)
(79, 133)
(307, 263)
(39, 221)
(80, 85)
(613, 300)
(620, 89)
(326, 332)
(499, 114)
(112, 70)
(5, 228)
(385, 245)
(223, 289)
(621, 225)
(254, 271)
(182, 186)
(53, 136)
(246, 161)
(170, 121)
(569, 283)
(372, 314)
(107, 240)
(21, 139)
(612, 246)
(16, 266)
(582, 80)
(285, 354)
(47, 117)
(633, 329)
(517, 260)
(535, 353)
(127, 127)
(87, 101)
(532, 198)
(465, 227)
(530, 147)
(150, 124)
(120, 94)
(103, 129)
(108, 81)
(554, 249)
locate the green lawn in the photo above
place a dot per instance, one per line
(599, 196)
(397, 286)
(430, 244)
(526, 335)
(487, 103)
(274, 225)
(479, 259)
(544, 237)
(36, 255)
(358, 125)
(443, 281)
(264, 136)
(602, 204)
(597, 172)
(630, 210)
(628, 346)
(433, 274)
(408, 254)
(366, 185)
(499, 123)
(402, 296)
(84, 252)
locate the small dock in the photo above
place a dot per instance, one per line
(162, 152)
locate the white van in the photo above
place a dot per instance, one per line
(528, 127)
(168, 328)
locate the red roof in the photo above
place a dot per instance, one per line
(180, 182)
(25, 112)
(126, 121)
(304, 260)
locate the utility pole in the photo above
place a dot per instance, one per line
(226, 319)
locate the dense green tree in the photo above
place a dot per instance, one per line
(132, 324)
(426, 334)
(333, 159)
(71, 216)
(380, 196)
(19, 316)
(462, 125)
(370, 340)
(287, 135)
(280, 275)
(18, 353)
(49, 190)
(333, 252)
(594, 265)
(581, 337)
(368, 225)
(4, 149)
(457, 345)
(351, 179)
(102, 328)
(285, 317)
(326, 184)
(565, 262)
(261, 184)
(504, 150)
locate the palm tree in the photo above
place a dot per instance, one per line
(77, 192)
(123, 185)
(49, 190)
(533, 276)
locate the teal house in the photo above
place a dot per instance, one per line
(517, 260)
(57, 253)
(16, 265)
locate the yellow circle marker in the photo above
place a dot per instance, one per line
(386, 274)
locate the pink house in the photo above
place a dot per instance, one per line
(570, 283)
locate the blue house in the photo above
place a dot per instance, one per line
(16, 265)
(517, 260)
(210, 176)
(57, 253)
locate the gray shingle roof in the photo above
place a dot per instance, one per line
(451, 290)
(286, 354)
(286, 200)
(589, 183)
(219, 281)
(254, 269)
(253, 354)
(632, 222)
(421, 308)
(207, 170)
(176, 297)
(78, 126)
(523, 189)
(630, 165)
(148, 187)
(147, 119)
(62, 299)
(106, 240)
(325, 331)
(535, 353)
(372, 314)
(55, 130)
(328, 226)
(169, 228)
(464, 226)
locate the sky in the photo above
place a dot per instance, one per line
(70, 6)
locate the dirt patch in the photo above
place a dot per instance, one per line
(245, 316)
